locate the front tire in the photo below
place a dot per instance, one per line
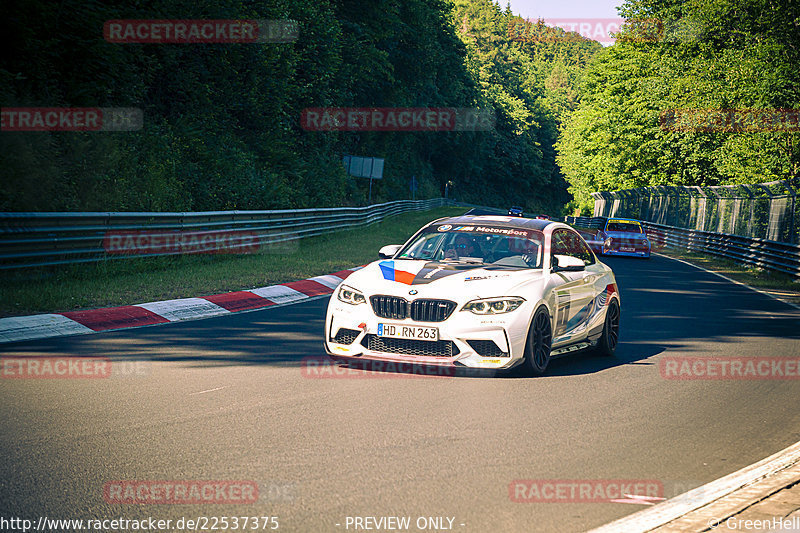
(607, 344)
(540, 340)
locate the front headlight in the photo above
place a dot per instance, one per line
(493, 306)
(350, 296)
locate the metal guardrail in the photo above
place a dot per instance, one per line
(41, 239)
(763, 253)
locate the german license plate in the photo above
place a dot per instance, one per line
(626, 249)
(400, 331)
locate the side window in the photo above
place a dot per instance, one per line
(582, 250)
(566, 242)
(559, 244)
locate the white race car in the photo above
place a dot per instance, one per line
(484, 292)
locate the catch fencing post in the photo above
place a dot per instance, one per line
(770, 197)
(677, 203)
(718, 205)
(599, 203)
(641, 201)
(649, 203)
(702, 225)
(791, 212)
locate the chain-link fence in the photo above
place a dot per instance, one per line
(762, 210)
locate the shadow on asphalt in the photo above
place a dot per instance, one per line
(666, 306)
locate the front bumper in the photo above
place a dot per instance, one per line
(635, 253)
(473, 341)
(639, 249)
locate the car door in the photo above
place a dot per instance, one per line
(575, 296)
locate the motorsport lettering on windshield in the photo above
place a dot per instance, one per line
(492, 230)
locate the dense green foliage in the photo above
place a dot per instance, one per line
(713, 54)
(221, 121)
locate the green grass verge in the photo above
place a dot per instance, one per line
(132, 281)
(780, 285)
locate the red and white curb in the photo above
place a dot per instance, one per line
(22, 328)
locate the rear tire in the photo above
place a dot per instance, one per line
(607, 344)
(538, 346)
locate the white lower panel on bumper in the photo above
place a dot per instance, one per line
(478, 347)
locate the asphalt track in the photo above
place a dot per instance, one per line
(226, 399)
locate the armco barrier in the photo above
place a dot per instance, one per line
(39, 239)
(770, 255)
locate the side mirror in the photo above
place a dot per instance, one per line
(567, 263)
(387, 252)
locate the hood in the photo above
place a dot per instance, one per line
(440, 279)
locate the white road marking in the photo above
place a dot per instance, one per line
(636, 499)
(205, 391)
(726, 278)
(664, 512)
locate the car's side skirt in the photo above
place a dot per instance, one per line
(570, 348)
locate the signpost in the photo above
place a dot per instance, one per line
(364, 167)
(447, 186)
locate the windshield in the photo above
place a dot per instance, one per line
(629, 227)
(495, 245)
